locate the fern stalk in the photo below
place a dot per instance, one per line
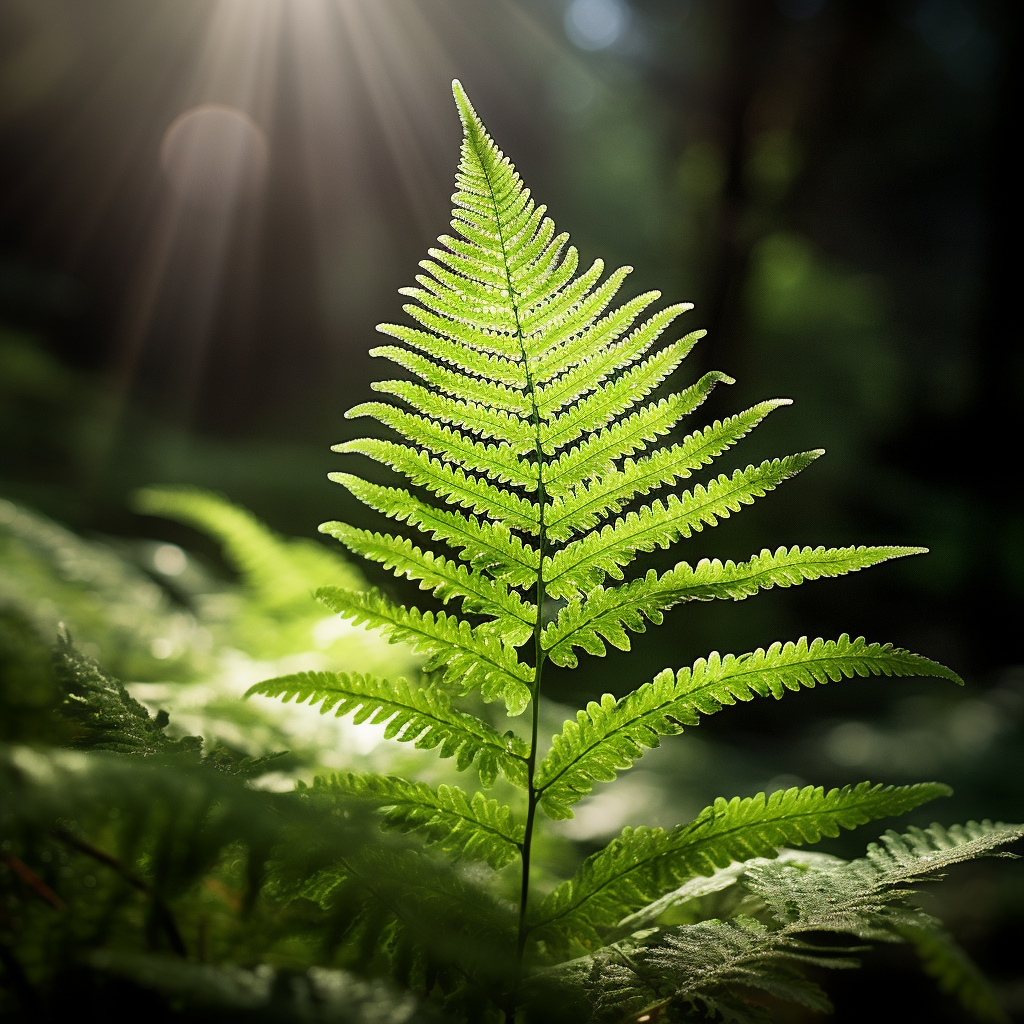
(539, 655)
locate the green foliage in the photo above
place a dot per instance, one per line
(409, 713)
(532, 440)
(278, 574)
(472, 827)
(470, 657)
(122, 870)
(727, 967)
(643, 863)
(277, 570)
(612, 735)
(50, 575)
(103, 714)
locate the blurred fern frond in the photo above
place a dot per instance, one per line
(724, 966)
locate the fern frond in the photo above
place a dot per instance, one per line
(499, 462)
(583, 564)
(617, 396)
(712, 580)
(643, 863)
(103, 715)
(707, 962)
(590, 503)
(608, 737)
(423, 715)
(479, 419)
(466, 826)
(604, 615)
(717, 964)
(905, 858)
(719, 969)
(471, 657)
(458, 487)
(277, 570)
(599, 452)
(488, 546)
(514, 617)
(532, 413)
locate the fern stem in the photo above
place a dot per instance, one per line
(533, 794)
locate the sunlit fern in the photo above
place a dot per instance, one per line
(532, 443)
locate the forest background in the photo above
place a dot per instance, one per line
(833, 184)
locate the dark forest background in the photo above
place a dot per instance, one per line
(833, 183)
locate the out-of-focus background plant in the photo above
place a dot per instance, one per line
(206, 206)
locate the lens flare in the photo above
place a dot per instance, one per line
(214, 156)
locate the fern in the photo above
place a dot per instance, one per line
(410, 713)
(104, 715)
(719, 963)
(472, 827)
(530, 436)
(638, 867)
(610, 736)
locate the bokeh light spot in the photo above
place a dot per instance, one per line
(595, 24)
(214, 156)
(170, 560)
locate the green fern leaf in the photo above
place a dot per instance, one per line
(103, 715)
(422, 715)
(713, 963)
(531, 423)
(479, 419)
(465, 826)
(584, 563)
(471, 657)
(712, 580)
(643, 863)
(513, 617)
(605, 614)
(487, 546)
(608, 737)
(599, 452)
(862, 897)
(620, 395)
